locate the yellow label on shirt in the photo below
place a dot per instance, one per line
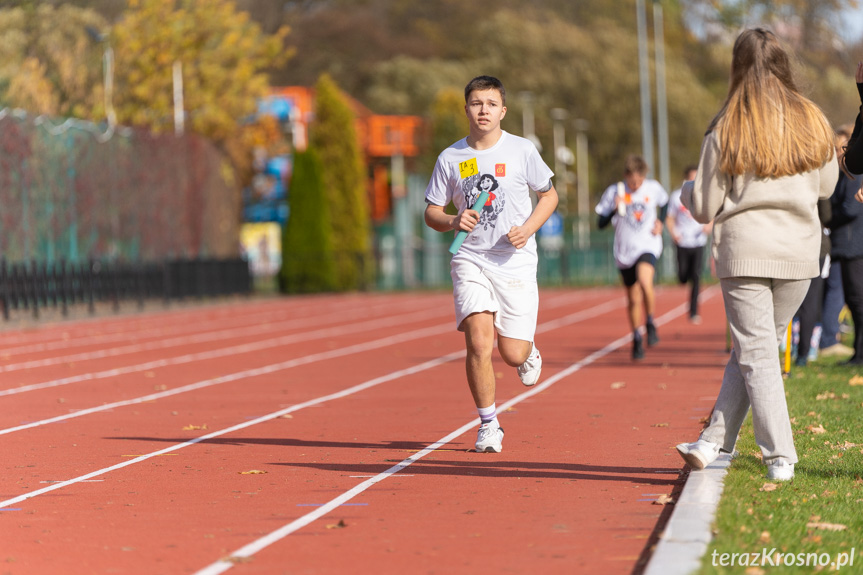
(468, 168)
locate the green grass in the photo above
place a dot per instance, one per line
(827, 486)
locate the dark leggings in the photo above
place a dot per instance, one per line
(810, 314)
(852, 285)
(689, 263)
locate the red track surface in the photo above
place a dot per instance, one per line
(127, 443)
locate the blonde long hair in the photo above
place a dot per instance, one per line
(766, 126)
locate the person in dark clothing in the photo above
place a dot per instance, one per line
(846, 237)
(810, 310)
(852, 161)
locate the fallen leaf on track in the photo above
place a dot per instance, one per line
(252, 472)
(664, 500)
(340, 525)
(618, 385)
(193, 427)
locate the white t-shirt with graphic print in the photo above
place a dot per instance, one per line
(633, 232)
(690, 231)
(509, 170)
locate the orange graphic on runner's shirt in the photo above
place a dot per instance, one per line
(500, 170)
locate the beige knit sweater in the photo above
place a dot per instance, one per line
(765, 228)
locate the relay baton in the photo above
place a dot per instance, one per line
(461, 235)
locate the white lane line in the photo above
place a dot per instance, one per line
(246, 551)
(338, 395)
(248, 373)
(254, 319)
(572, 318)
(222, 352)
(223, 565)
(335, 312)
(230, 333)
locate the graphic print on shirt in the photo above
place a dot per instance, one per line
(472, 186)
(635, 212)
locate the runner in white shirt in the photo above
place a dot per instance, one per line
(631, 206)
(689, 238)
(494, 271)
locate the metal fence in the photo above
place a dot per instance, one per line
(36, 285)
(409, 254)
(67, 193)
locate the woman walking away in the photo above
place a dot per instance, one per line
(766, 160)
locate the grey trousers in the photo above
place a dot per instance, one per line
(758, 310)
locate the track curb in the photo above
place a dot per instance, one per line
(684, 541)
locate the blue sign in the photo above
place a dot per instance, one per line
(552, 227)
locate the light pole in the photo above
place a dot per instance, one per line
(527, 119)
(581, 164)
(644, 79)
(179, 114)
(559, 115)
(107, 79)
(661, 106)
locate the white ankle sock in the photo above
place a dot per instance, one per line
(487, 414)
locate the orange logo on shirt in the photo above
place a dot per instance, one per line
(500, 170)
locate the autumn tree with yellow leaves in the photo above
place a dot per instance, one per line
(48, 62)
(224, 57)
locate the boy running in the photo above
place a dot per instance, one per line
(631, 206)
(689, 238)
(494, 271)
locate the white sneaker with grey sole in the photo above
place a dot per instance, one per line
(780, 470)
(699, 454)
(529, 371)
(489, 439)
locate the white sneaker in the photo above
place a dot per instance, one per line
(780, 470)
(529, 371)
(489, 439)
(699, 454)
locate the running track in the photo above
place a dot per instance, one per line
(333, 434)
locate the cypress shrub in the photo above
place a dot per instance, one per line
(334, 137)
(307, 241)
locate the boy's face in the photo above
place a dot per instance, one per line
(484, 111)
(633, 181)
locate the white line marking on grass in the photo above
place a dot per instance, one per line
(246, 551)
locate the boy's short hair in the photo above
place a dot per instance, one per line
(690, 168)
(482, 83)
(635, 164)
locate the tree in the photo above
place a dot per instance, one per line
(223, 55)
(334, 138)
(224, 58)
(448, 124)
(48, 63)
(307, 240)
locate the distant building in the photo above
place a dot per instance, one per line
(386, 142)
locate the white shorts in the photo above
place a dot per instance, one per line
(514, 302)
